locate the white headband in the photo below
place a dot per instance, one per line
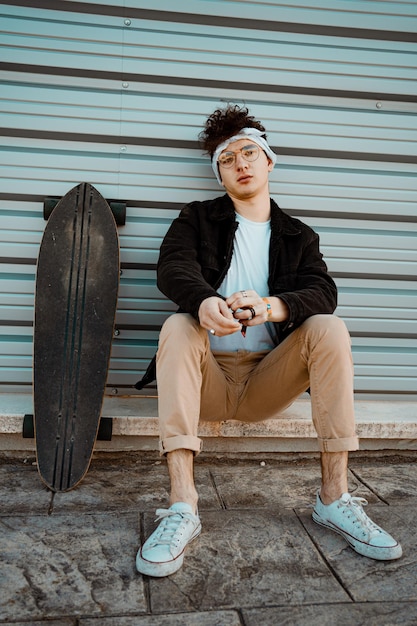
(252, 133)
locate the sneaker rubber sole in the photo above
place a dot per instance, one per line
(379, 553)
(159, 569)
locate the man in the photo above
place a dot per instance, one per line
(255, 329)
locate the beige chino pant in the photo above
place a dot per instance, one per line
(194, 383)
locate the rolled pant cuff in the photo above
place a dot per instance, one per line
(349, 444)
(180, 442)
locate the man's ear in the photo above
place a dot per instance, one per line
(270, 165)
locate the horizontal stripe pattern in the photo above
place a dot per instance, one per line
(324, 21)
(116, 95)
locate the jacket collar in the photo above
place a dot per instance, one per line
(281, 223)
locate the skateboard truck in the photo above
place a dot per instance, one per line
(117, 207)
(104, 433)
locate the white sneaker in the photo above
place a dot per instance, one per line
(347, 517)
(162, 553)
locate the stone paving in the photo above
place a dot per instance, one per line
(69, 559)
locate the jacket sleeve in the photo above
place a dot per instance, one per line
(310, 290)
(179, 272)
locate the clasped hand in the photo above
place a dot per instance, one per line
(225, 317)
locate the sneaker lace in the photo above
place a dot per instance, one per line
(353, 508)
(171, 527)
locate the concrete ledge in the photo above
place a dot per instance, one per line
(381, 425)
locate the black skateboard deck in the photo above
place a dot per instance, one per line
(77, 283)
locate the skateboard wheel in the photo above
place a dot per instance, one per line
(28, 431)
(119, 212)
(105, 429)
(49, 204)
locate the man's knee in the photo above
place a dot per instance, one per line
(178, 323)
(329, 326)
(328, 333)
(181, 328)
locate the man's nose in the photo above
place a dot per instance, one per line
(240, 161)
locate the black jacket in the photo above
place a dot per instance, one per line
(197, 250)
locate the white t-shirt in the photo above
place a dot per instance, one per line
(249, 269)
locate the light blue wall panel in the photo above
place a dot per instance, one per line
(115, 93)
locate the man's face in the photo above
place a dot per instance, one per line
(245, 179)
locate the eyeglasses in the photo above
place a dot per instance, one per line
(249, 153)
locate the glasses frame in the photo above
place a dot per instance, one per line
(235, 152)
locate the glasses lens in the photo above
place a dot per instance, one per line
(250, 153)
(227, 159)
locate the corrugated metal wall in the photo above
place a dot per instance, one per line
(116, 95)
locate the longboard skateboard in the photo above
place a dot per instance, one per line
(77, 283)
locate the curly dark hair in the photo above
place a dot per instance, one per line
(225, 123)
